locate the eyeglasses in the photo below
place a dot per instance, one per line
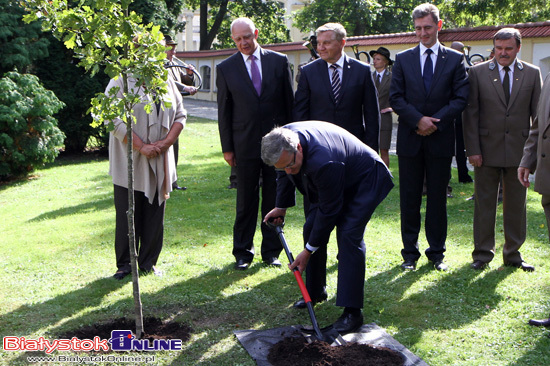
(289, 165)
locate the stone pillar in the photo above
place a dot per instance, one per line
(189, 32)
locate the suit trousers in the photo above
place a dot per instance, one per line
(350, 229)
(411, 179)
(545, 202)
(514, 195)
(149, 229)
(248, 202)
(460, 155)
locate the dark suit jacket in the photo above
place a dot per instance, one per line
(244, 117)
(357, 109)
(445, 100)
(337, 167)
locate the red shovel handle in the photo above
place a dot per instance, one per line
(302, 285)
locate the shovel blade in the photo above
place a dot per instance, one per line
(330, 336)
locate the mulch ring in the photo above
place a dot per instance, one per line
(296, 351)
(154, 328)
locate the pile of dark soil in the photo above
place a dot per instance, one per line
(297, 352)
(154, 328)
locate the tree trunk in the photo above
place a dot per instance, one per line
(138, 308)
(208, 36)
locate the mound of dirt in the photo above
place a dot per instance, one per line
(296, 351)
(154, 328)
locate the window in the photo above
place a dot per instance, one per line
(205, 74)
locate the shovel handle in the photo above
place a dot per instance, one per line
(302, 285)
(299, 279)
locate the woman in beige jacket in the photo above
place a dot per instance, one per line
(154, 172)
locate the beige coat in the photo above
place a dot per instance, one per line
(492, 129)
(536, 153)
(149, 174)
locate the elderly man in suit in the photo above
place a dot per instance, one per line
(381, 59)
(535, 159)
(504, 94)
(254, 95)
(429, 89)
(338, 89)
(344, 180)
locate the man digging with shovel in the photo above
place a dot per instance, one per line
(343, 181)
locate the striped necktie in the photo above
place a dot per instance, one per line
(336, 84)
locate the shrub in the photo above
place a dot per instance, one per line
(29, 136)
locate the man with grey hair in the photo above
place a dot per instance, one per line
(338, 89)
(254, 95)
(428, 91)
(344, 181)
(504, 94)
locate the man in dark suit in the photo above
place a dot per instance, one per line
(429, 89)
(460, 156)
(344, 180)
(254, 95)
(354, 107)
(340, 90)
(504, 94)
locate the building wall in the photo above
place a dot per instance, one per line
(533, 50)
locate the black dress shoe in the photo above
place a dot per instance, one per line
(465, 179)
(273, 261)
(301, 304)
(479, 265)
(242, 264)
(176, 186)
(120, 275)
(523, 265)
(540, 323)
(348, 323)
(408, 265)
(440, 266)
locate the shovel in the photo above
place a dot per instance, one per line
(327, 334)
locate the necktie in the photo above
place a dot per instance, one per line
(336, 84)
(506, 84)
(256, 77)
(428, 72)
(379, 78)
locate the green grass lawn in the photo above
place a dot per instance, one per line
(57, 233)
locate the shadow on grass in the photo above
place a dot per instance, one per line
(213, 304)
(101, 202)
(539, 354)
(459, 297)
(30, 318)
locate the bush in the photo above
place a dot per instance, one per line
(29, 136)
(73, 86)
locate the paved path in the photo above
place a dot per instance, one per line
(207, 109)
(201, 108)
